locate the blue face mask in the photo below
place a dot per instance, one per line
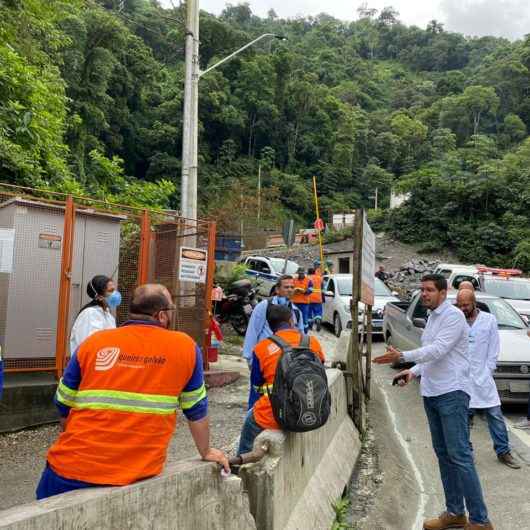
(113, 299)
(282, 300)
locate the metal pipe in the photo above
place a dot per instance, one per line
(249, 458)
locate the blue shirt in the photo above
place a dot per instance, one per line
(259, 329)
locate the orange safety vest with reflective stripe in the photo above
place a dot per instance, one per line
(316, 296)
(268, 355)
(299, 297)
(124, 412)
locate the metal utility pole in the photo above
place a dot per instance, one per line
(190, 141)
(188, 191)
(376, 197)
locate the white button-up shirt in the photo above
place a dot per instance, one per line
(89, 321)
(443, 359)
(484, 347)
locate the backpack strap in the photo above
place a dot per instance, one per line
(305, 342)
(280, 343)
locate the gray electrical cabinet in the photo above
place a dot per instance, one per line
(31, 244)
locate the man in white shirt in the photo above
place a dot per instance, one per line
(484, 346)
(443, 363)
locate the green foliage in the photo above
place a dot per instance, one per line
(341, 508)
(226, 276)
(91, 98)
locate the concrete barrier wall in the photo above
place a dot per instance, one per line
(293, 487)
(296, 484)
(189, 495)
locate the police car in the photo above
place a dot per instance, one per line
(267, 271)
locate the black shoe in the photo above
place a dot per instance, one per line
(319, 325)
(508, 460)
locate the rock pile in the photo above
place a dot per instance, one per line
(407, 278)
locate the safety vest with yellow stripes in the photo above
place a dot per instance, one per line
(123, 414)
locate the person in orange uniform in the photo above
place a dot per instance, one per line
(264, 362)
(302, 291)
(315, 299)
(119, 397)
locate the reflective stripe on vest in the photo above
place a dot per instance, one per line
(263, 389)
(116, 400)
(187, 400)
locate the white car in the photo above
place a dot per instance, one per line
(447, 270)
(337, 297)
(516, 291)
(266, 272)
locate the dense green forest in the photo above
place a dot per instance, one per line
(91, 102)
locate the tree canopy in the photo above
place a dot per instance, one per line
(91, 96)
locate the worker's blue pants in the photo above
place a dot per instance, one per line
(315, 312)
(304, 309)
(53, 484)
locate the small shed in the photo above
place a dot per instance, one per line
(31, 243)
(340, 254)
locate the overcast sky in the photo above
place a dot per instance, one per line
(506, 18)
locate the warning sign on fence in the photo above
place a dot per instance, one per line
(193, 265)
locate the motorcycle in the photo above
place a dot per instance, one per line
(236, 306)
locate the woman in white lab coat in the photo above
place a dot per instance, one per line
(96, 315)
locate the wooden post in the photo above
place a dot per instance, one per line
(65, 282)
(354, 363)
(208, 291)
(368, 351)
(143, 255)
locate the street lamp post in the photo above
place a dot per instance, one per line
(188, 189)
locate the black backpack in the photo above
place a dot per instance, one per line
(300, 395)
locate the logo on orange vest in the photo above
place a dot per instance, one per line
(273, 348)
(106, 358)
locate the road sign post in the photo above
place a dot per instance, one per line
(289, 237)
(362, 291)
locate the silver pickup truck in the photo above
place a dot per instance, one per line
(403, 324)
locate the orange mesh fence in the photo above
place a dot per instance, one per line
(107, 239)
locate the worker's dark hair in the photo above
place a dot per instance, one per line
(439, 281)
(311, 271)
(148, 300)
(278, 315)
(95, 289)
(282, 278)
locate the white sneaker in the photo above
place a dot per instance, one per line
(525, 424)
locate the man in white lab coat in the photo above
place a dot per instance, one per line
(484, 346)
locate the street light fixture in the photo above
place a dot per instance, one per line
(188, 189)
(232, 55)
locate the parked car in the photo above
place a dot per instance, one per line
(403, 325)
(449, 269)
(516, 291)
(337, 297)
(267, 271)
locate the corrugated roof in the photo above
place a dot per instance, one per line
(339, 247)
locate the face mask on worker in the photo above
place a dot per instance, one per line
(113, 299)
(282, 300)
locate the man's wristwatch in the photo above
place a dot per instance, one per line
(401, 358)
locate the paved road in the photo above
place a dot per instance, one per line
(410, 471)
